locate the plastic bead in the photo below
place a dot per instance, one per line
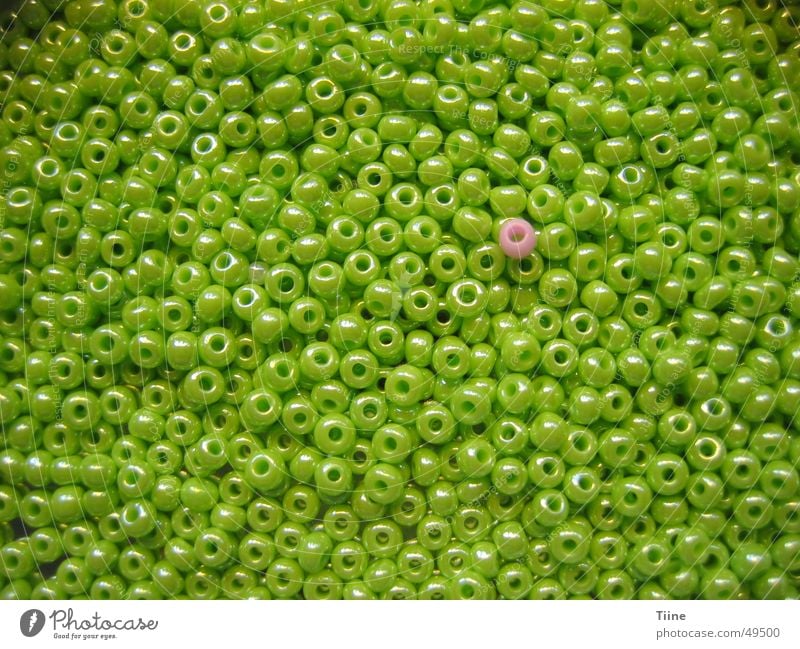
(517, 238)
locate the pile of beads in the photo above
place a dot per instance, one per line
(275, 321)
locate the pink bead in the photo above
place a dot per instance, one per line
(517, 238)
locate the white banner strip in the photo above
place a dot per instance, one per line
(399, 625)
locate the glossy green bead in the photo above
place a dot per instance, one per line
(752, 509)
(383, 483)
(265, 471)
(749, 561)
